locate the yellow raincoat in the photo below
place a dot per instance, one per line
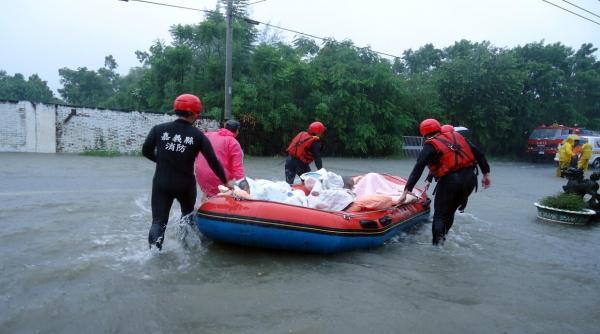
(586, 153)
(565, 153)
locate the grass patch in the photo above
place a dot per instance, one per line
(101, 153)
(565, 201)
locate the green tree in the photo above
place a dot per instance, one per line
(128, 94)
(420, 71)
(585, 83)
(546, 89)
(88, 87)
(359, 98)
(426, 58)
(271, 96)
(367, 102)
(194, 63)
(33, 89)
(479, 87)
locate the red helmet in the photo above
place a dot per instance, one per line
(188, 102)
(446, 128)
(317, 128)
(428, 126)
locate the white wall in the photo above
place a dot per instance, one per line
(49, 128)
(27, 127)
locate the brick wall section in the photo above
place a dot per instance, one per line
(78, 129)
(87, 129)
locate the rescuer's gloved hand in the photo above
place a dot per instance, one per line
(486, 182)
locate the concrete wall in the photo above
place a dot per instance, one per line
(86, 129)
(49, 128)
(27, 127)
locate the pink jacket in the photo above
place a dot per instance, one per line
(230, 154)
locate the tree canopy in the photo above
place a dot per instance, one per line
(17, 88)
(367, 102)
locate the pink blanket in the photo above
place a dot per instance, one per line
(376, 184)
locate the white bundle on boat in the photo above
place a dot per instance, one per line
(327, 192)
(329, 180)
(266, 190)
(297, 197)
(330, 199)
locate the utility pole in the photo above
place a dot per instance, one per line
(228, 60)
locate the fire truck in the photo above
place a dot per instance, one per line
(544, 140)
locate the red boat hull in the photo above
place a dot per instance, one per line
(283, 226)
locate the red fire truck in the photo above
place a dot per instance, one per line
(544, 140)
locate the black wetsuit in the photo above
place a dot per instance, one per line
(452, 190)
(294, 166)
(174, 147)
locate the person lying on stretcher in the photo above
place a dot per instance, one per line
(375, 191)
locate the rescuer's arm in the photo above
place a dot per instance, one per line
(316, 151)
(149, 146)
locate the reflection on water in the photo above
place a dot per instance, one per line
(75, 255)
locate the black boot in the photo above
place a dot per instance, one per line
(156, 236)
(437, 232)
(438, 240)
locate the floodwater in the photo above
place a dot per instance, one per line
(75, 259)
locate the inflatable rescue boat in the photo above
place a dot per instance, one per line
(276, 225)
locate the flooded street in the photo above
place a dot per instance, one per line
(75, 259)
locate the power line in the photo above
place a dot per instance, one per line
(309, 35)
(255, 2)
(255, 22)
(583, 17)
(583, 9)
(286, 29)
(174, 6)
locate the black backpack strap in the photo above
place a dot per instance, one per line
(454, 147)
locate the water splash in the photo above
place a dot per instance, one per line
(465, 217)
(123, 247)
(462, 240)
(142, 204)
(188, 233)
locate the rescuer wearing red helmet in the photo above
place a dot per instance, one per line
(446, 128)
(302, 150)
(173, 146)
(453, 162)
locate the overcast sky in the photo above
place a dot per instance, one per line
(41, 36)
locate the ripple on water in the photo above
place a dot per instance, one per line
(67, 255)
(122, 246)
(459, 241)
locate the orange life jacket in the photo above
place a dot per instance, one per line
(454, 151)
(299, 148)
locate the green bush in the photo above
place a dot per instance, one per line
(565, 201)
